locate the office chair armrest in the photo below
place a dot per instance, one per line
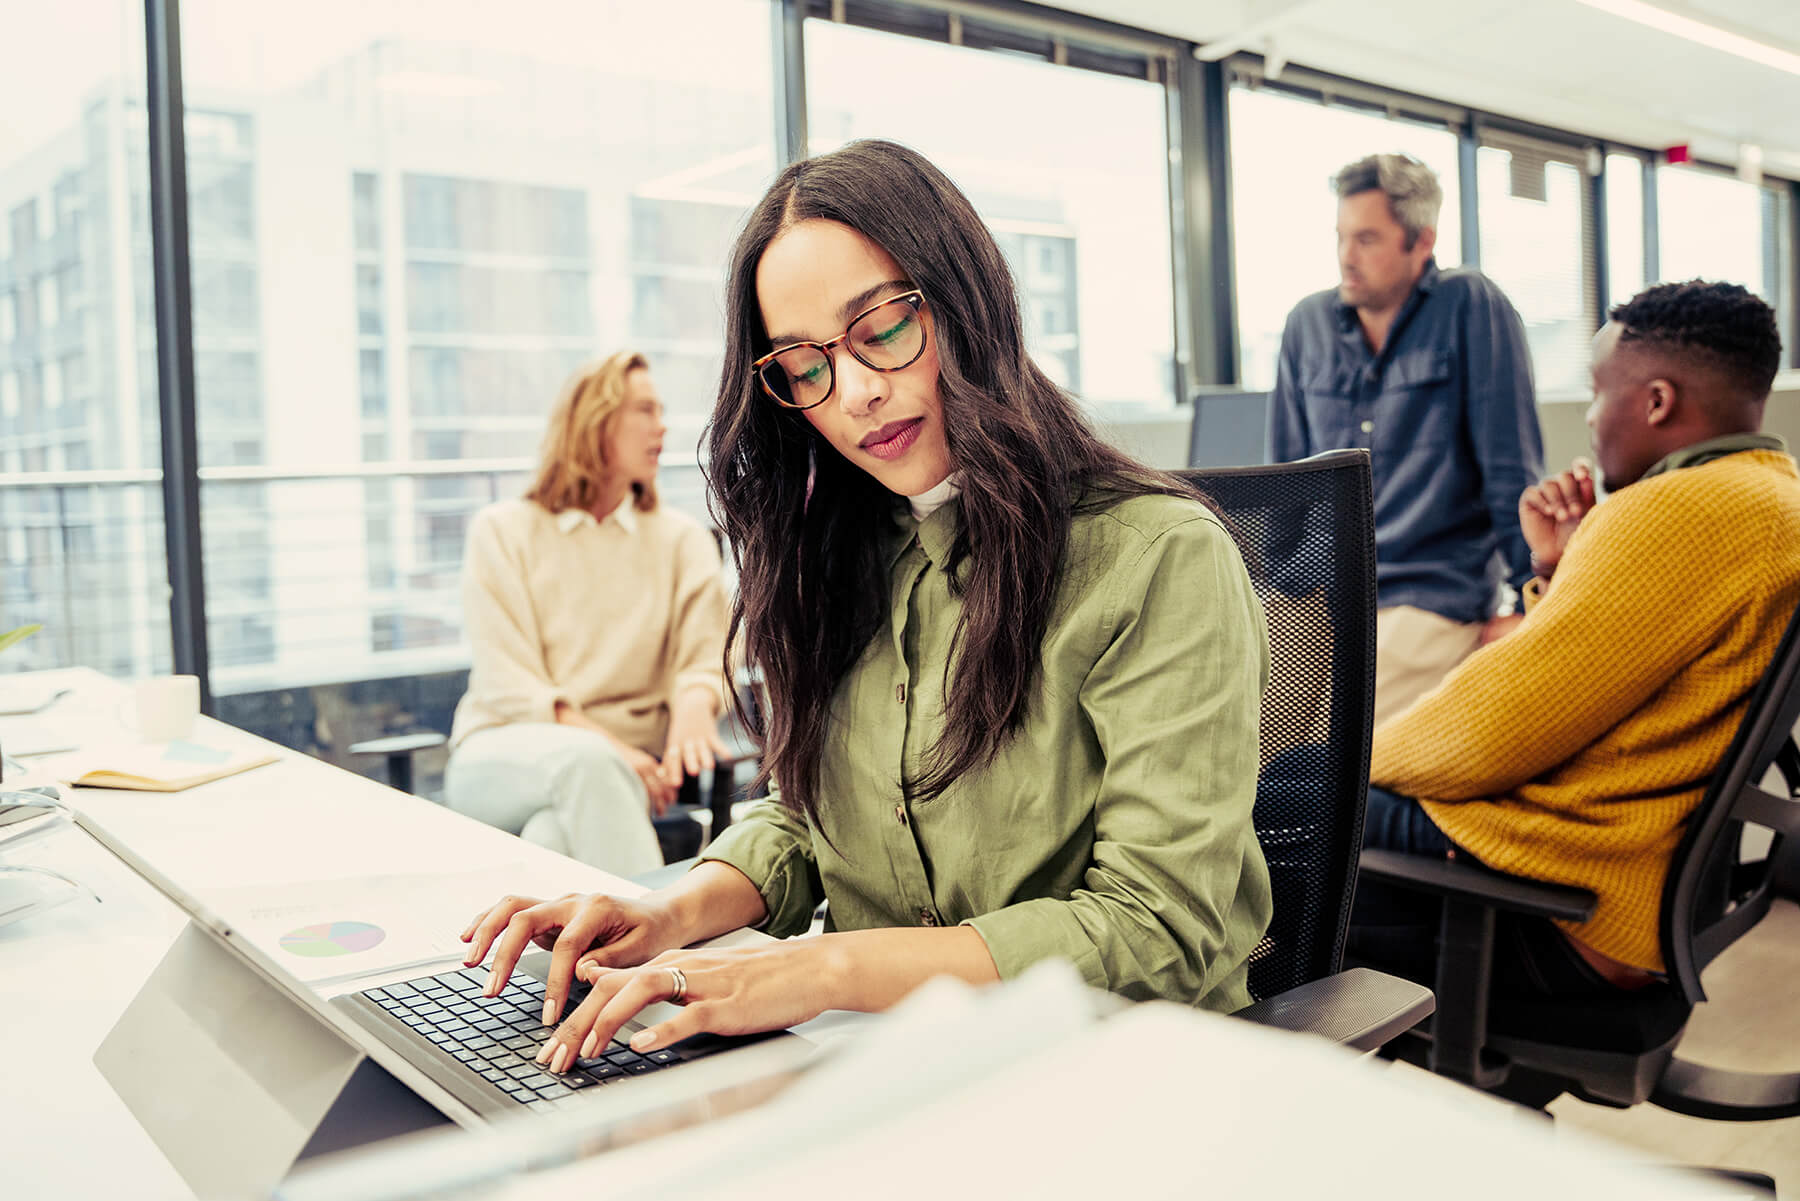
(1468, 882)
(1358, 1008)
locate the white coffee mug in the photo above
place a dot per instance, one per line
(166, 707)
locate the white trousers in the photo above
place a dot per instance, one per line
(1414, 650)
(559, 787)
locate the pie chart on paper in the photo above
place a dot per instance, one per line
(326, 939)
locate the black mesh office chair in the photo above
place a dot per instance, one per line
(1307, 534)
(1621, 1052)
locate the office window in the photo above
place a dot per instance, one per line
(1284, 152)
(1068, 167)
(366, 210)
(1624, 227)
(1535, 233)
(1718, 227)
(373, 383)
(368, 299)
(444, 216)
(88, 557)
(219, 201)
(49, 302)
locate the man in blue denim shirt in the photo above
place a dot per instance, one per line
(1429, 371)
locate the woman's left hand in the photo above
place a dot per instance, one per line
(693, 736)
(740, 990)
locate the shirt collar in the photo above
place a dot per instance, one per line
(570, 520)
(936, 535)
(1714, 448)
(1428, 279)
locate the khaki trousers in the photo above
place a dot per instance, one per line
(1414, 650)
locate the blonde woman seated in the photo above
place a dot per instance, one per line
(596, 622)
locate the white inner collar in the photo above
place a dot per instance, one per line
(928, 502)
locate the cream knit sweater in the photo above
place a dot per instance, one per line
(613, 616)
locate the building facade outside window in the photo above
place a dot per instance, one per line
(419, 222)
(83, 556)
(1068, 167)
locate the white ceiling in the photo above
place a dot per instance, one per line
(1555, 62)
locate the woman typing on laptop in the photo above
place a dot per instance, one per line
(1013, 676)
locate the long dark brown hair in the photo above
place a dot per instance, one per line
(812, 586)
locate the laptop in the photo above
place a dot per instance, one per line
(469, 1058)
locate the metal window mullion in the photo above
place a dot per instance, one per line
(1769, 209)
(1601, 261)
(1201, 212)
(789, 41)
(1468, 182)
(1652, 226)
(175, 341)
(1793, 280)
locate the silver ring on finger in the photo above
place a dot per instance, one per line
(677, 986)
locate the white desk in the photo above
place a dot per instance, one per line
(69, 973)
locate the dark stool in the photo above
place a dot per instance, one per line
(399, 750)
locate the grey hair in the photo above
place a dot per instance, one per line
(1414, 197)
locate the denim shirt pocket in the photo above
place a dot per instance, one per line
(1329, 393)
(1416, 396)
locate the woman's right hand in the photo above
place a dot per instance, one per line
(576, 928)
(662, 792)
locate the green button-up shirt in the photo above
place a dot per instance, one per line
(1114, 830)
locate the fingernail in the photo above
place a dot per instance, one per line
(493, 984)
(590, 1045)
(561, 1060)
(643, 1040)
(549, 1012)
(544, 1052)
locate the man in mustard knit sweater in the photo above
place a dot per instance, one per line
(1574, 750)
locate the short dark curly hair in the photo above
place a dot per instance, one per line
(1722, 326)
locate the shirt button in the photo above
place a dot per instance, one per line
(900, 814)
(1368, 427)
(927, 918)
(900, 693)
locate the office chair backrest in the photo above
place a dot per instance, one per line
(1307, 533)
(1710, 899)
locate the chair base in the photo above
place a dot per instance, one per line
(1619, 1079)
(1723, 1095)
(1533, 1074)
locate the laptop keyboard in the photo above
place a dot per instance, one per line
(497, 1037)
